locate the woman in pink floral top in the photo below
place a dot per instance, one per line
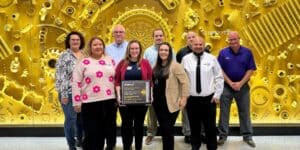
(94, 95)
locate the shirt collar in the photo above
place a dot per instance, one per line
(239, 51)
(119, 45)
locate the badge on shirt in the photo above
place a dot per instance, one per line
(129, 68)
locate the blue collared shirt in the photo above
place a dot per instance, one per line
(116, 52)
(151, 55)
(235, 65)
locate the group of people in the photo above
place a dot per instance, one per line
(89, 87)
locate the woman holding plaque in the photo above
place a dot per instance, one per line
(132, 67)
(93, 93)
(170, 92)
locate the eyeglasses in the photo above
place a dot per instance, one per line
(118, 32)
(233, 40)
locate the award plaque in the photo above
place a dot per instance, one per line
(135, 92)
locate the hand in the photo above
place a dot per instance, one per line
(65, 101)
(236, 86)
(214, 100)
(77, 108)
(182, 103)
(151, 100)
(118, 103)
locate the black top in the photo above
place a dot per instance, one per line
(133, 72)
(182, 52)
(159, 90)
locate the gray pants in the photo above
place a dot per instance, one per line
(242, 99)
(152, 122)
(186, 130)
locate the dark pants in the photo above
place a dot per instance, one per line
(111, 138)
(242, 99)
(166, 122)
(132, 120)
(97, 120)
(200, 109)
(79, 127)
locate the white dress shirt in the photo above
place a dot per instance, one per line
(212, 80)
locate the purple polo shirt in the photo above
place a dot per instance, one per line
(235, 65)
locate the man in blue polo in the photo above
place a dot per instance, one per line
(238, 64)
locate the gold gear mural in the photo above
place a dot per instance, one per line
(32, 37)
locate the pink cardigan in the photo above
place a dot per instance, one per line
(121, 69)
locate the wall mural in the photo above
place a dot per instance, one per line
(32, 37)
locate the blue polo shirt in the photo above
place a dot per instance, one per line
(235, 65)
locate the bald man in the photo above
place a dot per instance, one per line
(206, 86)
(186, 131)
(117, 51)
(238, 64)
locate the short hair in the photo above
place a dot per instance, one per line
(90, 44)
(67, 41)
(158, 29)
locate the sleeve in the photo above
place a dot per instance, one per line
(251, 65)
(174, 56)
(183, 60)
(61, 81)
(182, 79)
(118, 75)
(220, 58)
(145, 55)
(78, 75)
(219, 79)
(178, 56)
(149, 71)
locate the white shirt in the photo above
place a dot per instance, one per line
(212, 80)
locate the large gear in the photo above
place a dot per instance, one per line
(48, 61)
(150, 18)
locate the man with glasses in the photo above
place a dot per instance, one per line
(238, 65)
(117, 51)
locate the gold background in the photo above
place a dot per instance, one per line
(32, 37)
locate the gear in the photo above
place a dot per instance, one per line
(149, 18)
(48, 61)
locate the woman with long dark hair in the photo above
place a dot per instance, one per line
(170, 92)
